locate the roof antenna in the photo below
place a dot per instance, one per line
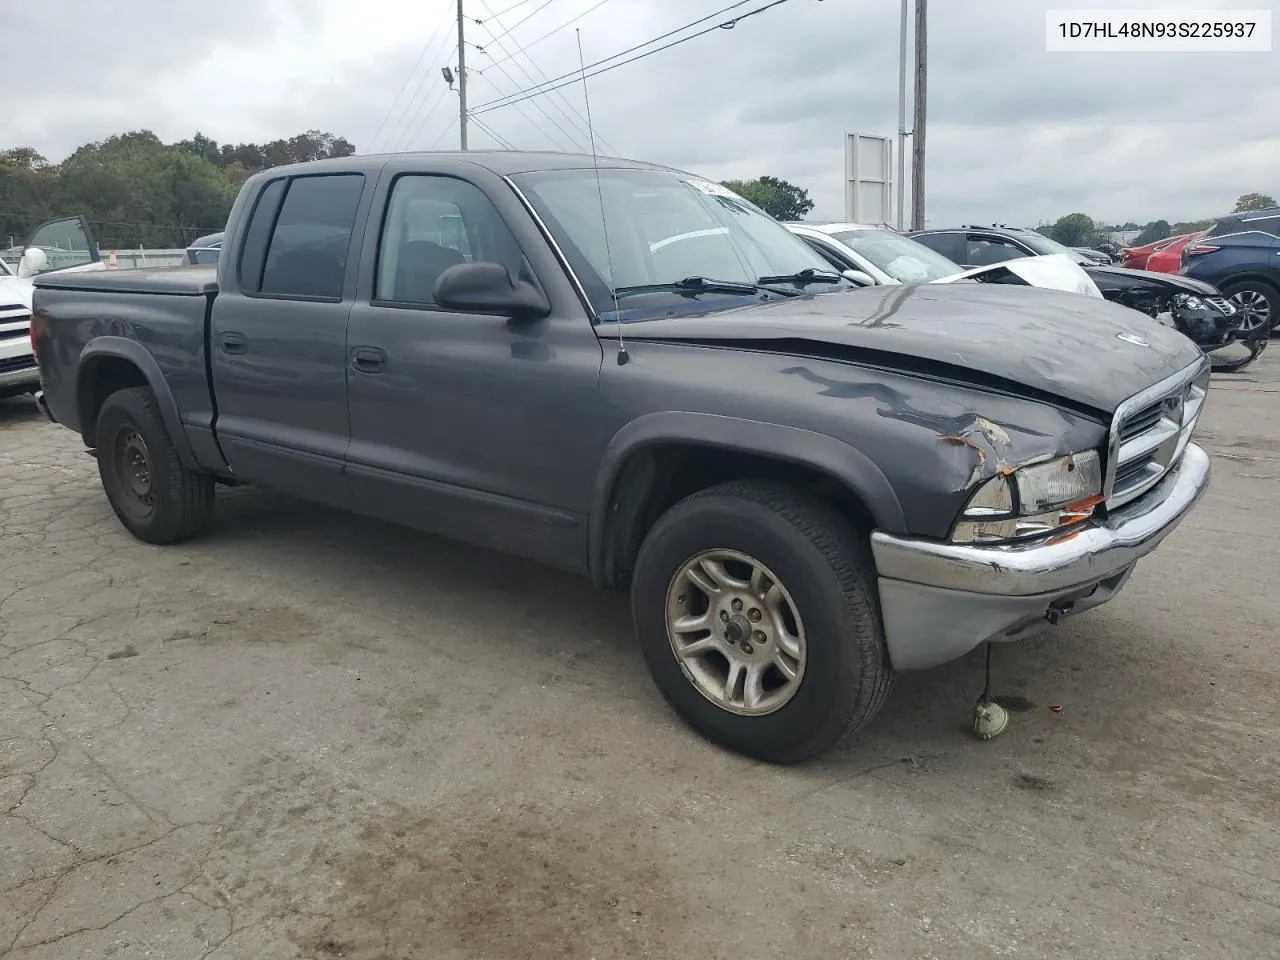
(623, 356)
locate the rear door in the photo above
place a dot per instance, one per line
(63, 244)
(278, 335)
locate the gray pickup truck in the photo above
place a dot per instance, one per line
(628, 372)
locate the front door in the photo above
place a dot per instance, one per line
(479, 427)
(278, 336)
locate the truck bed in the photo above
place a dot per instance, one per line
(187, 281)
(155, 319)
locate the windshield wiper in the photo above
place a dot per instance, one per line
(807, 275)
(701, 285)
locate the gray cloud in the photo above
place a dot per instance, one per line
(1016, 134)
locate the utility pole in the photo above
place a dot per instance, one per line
(917, 134)
(902, 118)
(462, 81)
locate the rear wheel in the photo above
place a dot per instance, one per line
(1257, 302)
(154, 495)
(756, 610)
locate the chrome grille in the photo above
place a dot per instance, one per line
(1222, 304)
(1151, 430)
(15, 325)
(14, 364)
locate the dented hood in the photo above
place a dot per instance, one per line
(1082, 350)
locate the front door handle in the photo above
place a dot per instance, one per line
(368, 359)
(232, 342)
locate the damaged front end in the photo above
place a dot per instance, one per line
(1216, 327)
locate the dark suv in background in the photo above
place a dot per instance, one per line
(1240, 255)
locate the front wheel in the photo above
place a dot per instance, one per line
(154, 495)
(756, 610)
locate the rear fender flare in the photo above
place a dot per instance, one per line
(818, 451)
(122, 348)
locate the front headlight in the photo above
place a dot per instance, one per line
(1032, 500)
(1189, 301)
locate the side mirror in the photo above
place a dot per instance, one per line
(859, 277)
(34, 261)
(487, 287)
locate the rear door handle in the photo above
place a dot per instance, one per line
(236, 343)
(368, 359)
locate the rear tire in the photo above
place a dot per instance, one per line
(156, 498)
(1255, 296)
(819, 667)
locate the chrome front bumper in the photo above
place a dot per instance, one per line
(940, 600)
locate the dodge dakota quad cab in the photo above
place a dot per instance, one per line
(632, 374)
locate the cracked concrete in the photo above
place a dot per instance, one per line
(309, 736)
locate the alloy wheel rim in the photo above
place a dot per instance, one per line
(736, 632)
(1254, 306)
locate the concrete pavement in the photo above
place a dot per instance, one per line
(309, 735)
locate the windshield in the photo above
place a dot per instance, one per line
(1044, 246)
(902, 258)
(664, 227)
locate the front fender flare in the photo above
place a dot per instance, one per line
(122, 348)
(834, 457)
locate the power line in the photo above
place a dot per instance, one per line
(518, 3)
(568, 136)
(412, 134)
(568, 23)
(572, 120)
(405, 86)
(494, 135)
(443, 133)
(410, 115)
(536, 10)
(575, 76)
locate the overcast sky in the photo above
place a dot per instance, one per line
(1015, 134)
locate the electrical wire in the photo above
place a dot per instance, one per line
(532, 13)
(405, 86)
(493, 134)
(518, 3)
(443, 133)
(574, 76)
(573, 142)
(574, 121)
(568, 23)
(411, 135)
(410, 115)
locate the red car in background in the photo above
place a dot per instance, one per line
(1136, 258)
(1168, 257)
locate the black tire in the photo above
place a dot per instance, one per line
(180, 500)
(1265, 290)
(826, 566)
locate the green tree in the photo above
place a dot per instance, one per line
(776, 197)
(1075, 230)
(1156, 230)
(30, 193)
(1253, 201)
(137, 190)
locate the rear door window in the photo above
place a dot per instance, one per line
(307, 255)
(950, 245)
(983, 251)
